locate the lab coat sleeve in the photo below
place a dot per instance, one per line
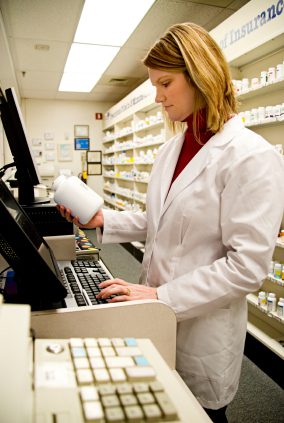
(252, 204)
(122, 226)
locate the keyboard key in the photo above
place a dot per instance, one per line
(140, 373)
(112, 362)
(140, 387)
(124, 388)
(93, 411)
(117, 375)
(110, 400)
(81, 363)
(78, 352)
(108, 352)
(134, 413)
(166, 405)
(89, 393)
(97, 363)
(90, 342)
(156, 386)
(152, 412)
(117, 342)
(106, 389)
(76, 342)
(94, 352)
(128, 399)
(141, 361)
(131, 342)
(146, 398)
(104, 342)
(128, 351)
(84, 376)
(115, 414)
(101, 375)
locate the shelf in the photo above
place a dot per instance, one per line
(150, 144)
(280, 243)
(267, 340)
(109, 140)
(252, 299)
(260, 325)
(266, 89)
(279, 282)
(266, 124)
(146, 127)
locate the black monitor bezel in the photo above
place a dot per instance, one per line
(27, 173)
(37, 284)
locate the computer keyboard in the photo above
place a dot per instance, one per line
(103, 380)
(81, 278)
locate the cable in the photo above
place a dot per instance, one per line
(5, 167)
(4, 270)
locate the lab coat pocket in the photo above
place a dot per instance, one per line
(184, 227)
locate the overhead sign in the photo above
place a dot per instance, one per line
(254, 24)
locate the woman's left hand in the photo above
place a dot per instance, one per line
(125, 291)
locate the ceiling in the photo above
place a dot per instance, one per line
(39, 34)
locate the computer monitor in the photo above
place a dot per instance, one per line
(27, 174)
(37, 275)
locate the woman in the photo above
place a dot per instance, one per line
(214, 208)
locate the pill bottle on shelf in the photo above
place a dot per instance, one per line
(262, 299)
(271, 302)
(278, 270)
(280, 307)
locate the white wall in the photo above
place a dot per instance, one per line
(56, 119)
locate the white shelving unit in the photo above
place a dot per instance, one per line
(267, 328)
(130, 147)
(251, 52)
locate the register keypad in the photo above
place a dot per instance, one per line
(117, 383)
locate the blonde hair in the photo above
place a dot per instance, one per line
(188, 48)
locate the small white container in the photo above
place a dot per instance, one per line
(278, 270)
(254, 83)
(75, 195)
(280, 71)
(271, 74)
(261, 300)
(245, 84)
(280, 307)
(263, 77)
(271, 302)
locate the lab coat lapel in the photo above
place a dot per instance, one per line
(187, 176)
(161, 182)
(199, 162)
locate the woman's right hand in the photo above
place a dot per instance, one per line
(97, 220)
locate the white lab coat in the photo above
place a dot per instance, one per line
(209, 241)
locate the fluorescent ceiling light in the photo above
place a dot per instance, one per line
(85, 65)
(110, 22)
(104, 27)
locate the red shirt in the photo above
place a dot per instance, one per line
(190, 145)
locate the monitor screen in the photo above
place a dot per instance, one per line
(37, 275)
(82, 143)
(27, 174)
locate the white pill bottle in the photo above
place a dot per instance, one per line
(75, 195)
